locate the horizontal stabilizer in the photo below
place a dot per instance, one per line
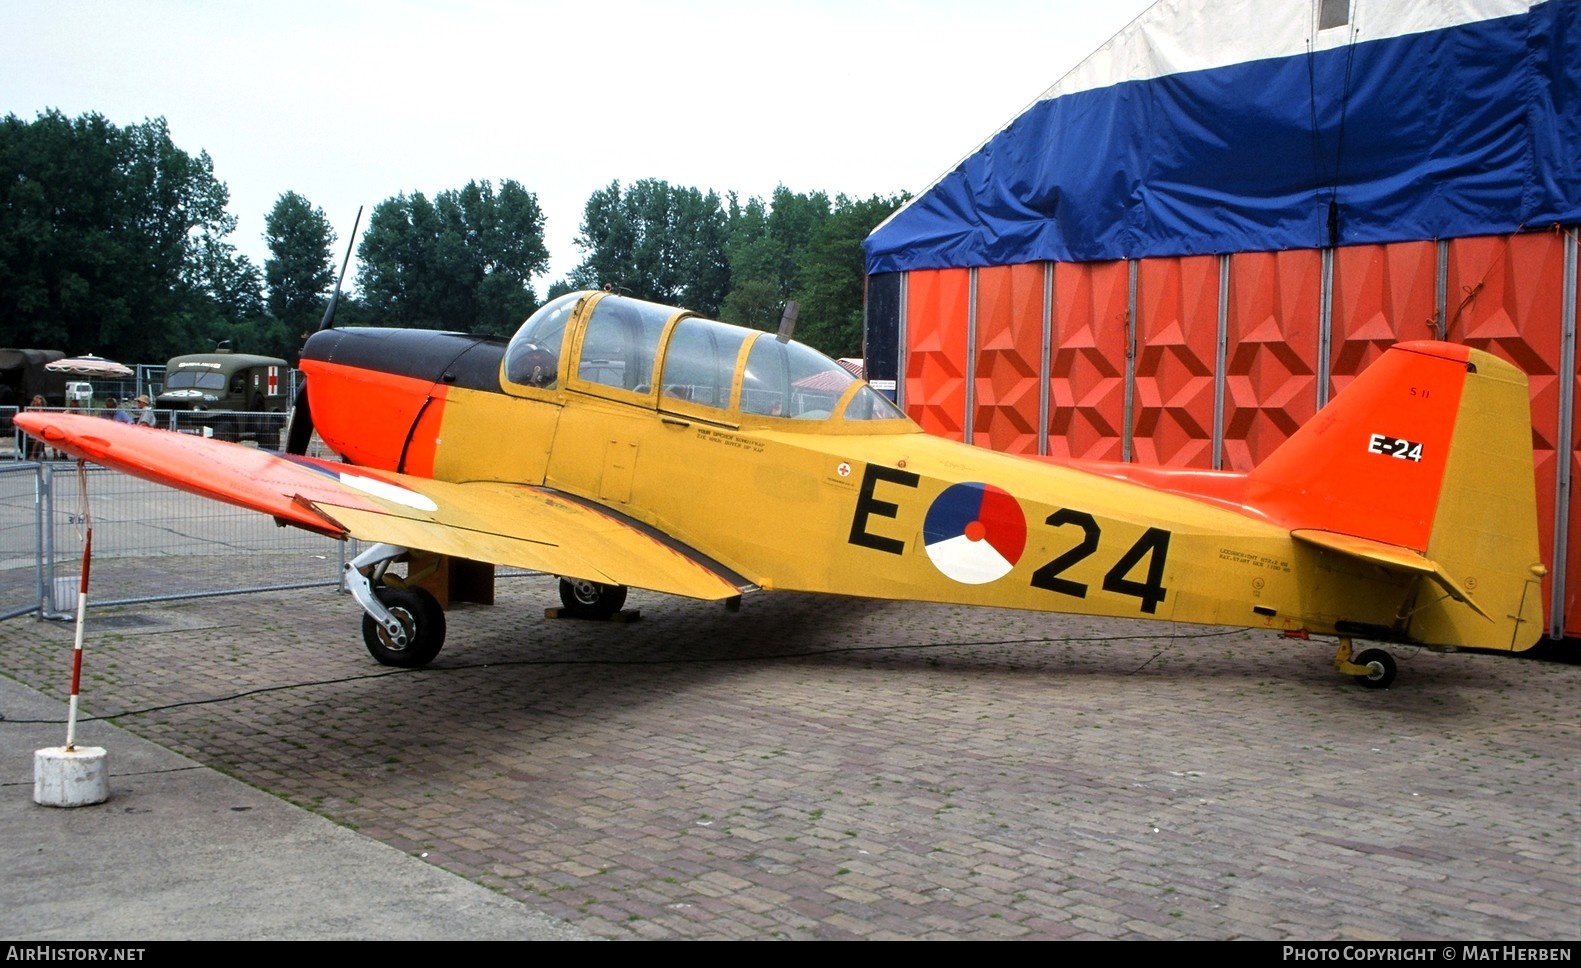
(1390, 557)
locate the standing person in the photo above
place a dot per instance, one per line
(112, 410)
(145, 411)
(35, 447)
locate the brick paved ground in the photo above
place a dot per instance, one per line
(827, 768)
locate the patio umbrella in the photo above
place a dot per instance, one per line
(89, 366)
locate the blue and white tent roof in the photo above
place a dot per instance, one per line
(1258, 125)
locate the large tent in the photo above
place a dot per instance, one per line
(1181, 250)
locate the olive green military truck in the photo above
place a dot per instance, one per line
(232, 396)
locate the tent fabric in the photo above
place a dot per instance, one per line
(1468, 128)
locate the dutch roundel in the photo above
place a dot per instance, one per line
(974, 533)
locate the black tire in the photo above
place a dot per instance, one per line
(1383, 670)
(424, 620)
(589, 599)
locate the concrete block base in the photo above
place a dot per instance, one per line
(76, 777)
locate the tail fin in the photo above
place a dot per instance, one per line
(1423, 467)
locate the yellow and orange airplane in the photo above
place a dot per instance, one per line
(614, 442)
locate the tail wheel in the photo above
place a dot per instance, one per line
(419, 614)
(1382, 665)
(589, 599)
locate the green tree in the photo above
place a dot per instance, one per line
(757, 283)
(831, 275)
(655, 241)
(795, 219)
(112, 240)
(300, 269)
(766, 241)
(463, 261)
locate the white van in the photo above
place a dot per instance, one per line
(80, 391)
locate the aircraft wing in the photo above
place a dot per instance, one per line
(507, 524)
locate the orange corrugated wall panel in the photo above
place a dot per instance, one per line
(936, 350)
(1009, 358)
(1270, 381)
(1087, 365)
(1382, 294)
(1505, 296)
(1177, 339)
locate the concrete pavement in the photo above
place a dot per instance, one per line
(807, 768)
(183, 852)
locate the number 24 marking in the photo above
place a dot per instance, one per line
(1153, 545)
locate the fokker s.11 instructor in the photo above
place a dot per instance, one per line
(614, 442)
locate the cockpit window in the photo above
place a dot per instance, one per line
(700, 361)
(533, 356)
(868, 404)
(786, 379)
(621, 342)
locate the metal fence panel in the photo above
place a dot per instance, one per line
(21, 539)
(154, 543)
(150, 542)
(266, 430)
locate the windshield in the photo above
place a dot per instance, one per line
(188, 379)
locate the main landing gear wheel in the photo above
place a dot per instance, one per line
(422, 617)
(589, 599)
(1382, 665)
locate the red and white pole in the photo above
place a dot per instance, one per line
(66, 776)
(76, 649)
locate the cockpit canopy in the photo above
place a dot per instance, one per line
(654, 355)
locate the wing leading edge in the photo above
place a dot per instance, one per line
(507, 524)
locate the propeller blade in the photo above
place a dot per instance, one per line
(299, 425)
(329, 311)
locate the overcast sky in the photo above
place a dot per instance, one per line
(351, 102)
